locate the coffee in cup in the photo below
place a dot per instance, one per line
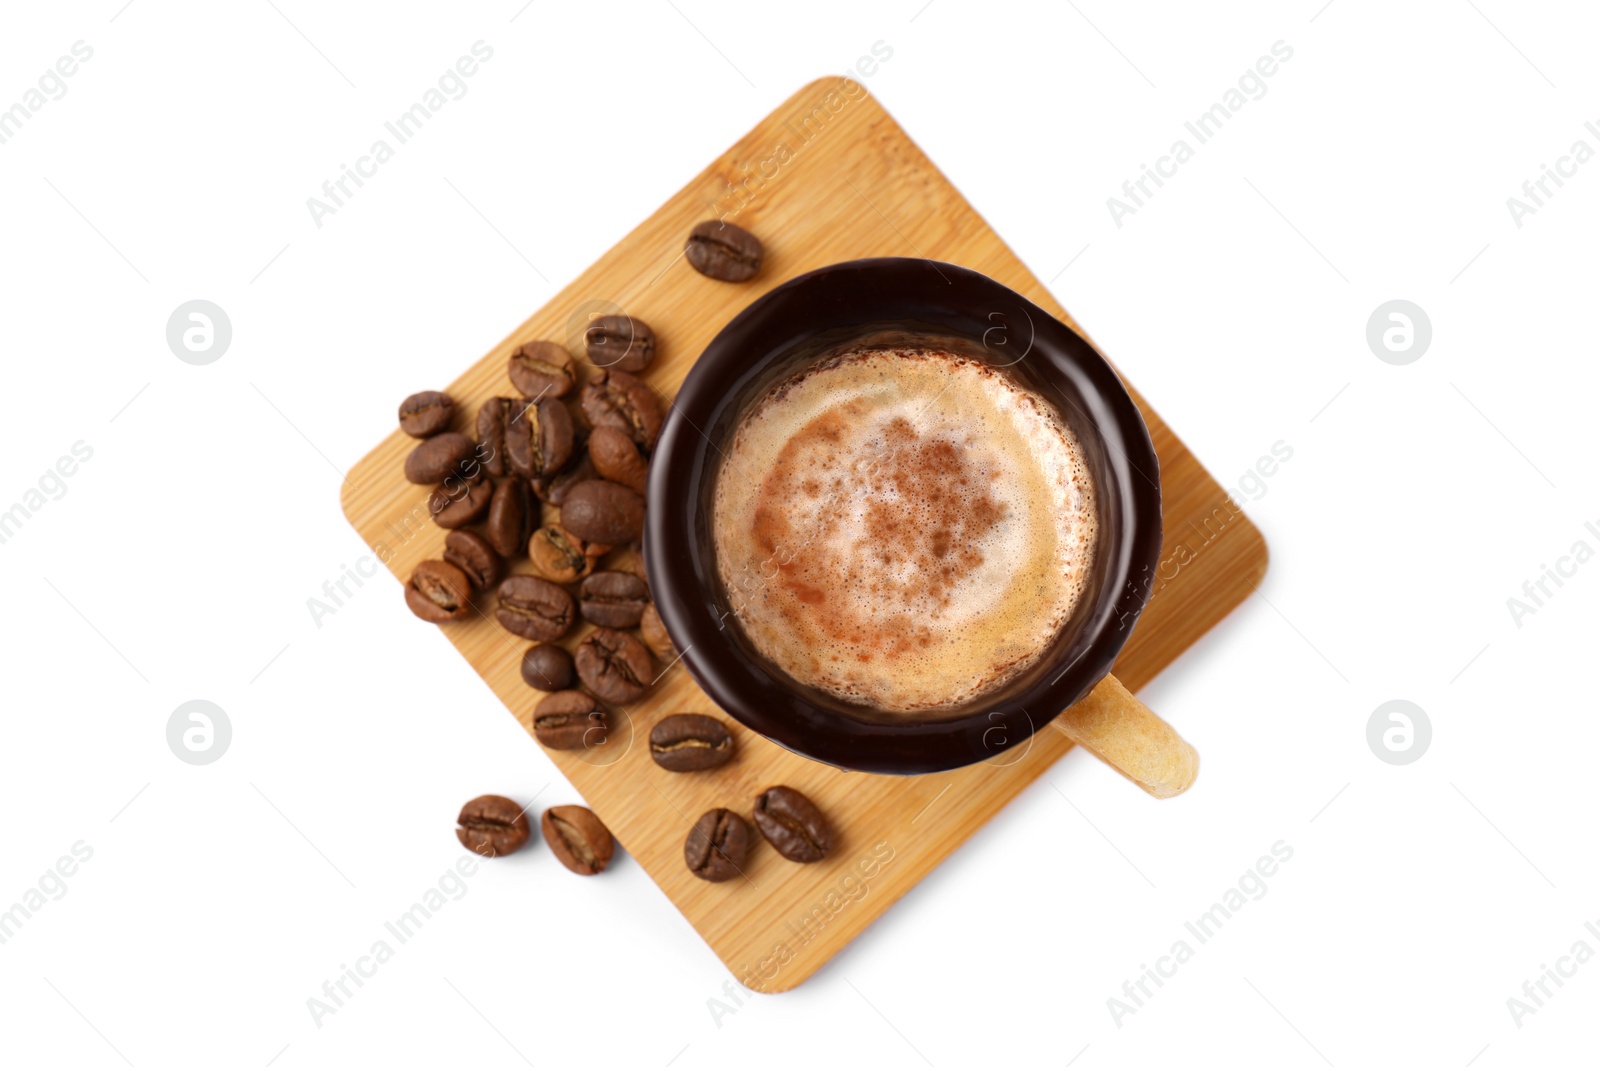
(903, 528)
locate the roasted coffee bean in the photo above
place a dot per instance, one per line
(604, 512)
(493, 418)
(615, 398)
(512, 514)
(561, 557)
(614, 666)
(578, 838)
(685, 743)
(541, 369)
(654, 634)
(539, 439)
(620, 342)
(793, 825)
(554, 490)
(717, 845)
(534, 608)
(438, 592)
(475, 557)
(548, 668)
(569, 719)
(425, 414)
(493, 826)
(459, 503)
(612, 599)
(617, 458)
(435, 459)
(723, 251)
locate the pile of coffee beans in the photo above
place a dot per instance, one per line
(544, 504)
(494, 826)
(557, 476)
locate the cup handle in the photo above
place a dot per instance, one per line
(1116, 726)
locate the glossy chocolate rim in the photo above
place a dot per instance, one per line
(887, 300)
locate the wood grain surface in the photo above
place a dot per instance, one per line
(827, 177)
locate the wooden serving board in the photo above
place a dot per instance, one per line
(827, 177)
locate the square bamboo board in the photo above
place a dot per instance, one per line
(827, 177)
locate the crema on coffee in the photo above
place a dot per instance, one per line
(906, 529)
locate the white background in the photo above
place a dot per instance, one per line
(179, 562)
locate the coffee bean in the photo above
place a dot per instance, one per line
(604, 512)
(539, 439)
(512, 514)
(793, 825)
(614, 666)
(578, 838)
(438, 592)
(561, 557)
(617, 458)
(473, 556)
(620, 342)
(717, 845)
(554, 490)
(684, 743)
(723, 251)
(425, 414)
(493, 826)
(541, 369)
(459, 503)
(548, 668)
(493, 417)
(612, 599)
(615, 398)
(570, 720)
(654, 634)
(534, 608)
(435, 459)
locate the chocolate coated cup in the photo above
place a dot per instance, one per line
(899, 302)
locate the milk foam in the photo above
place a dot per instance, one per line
(904, 529)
